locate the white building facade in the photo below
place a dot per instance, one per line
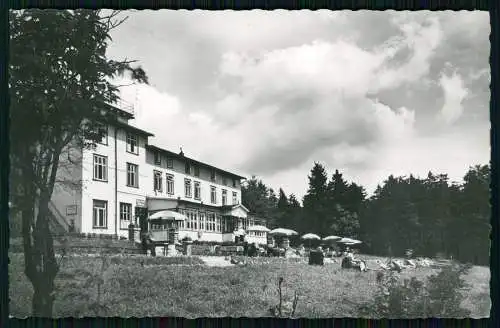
(123, 175)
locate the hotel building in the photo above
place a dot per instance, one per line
(104, 189)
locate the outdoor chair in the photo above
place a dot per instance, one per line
(316, 257)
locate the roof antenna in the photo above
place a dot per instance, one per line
(181, 153)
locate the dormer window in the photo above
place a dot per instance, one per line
(196, 171)
(132, 144)
(170, 163)
(234, 183)
(224, 181)
(213, 175)
(188, 168)
(102, 129)
(157, 158)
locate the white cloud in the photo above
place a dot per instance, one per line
(454, 94)
(422, 39)
(275, 92)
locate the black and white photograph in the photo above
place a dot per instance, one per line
(286, 164)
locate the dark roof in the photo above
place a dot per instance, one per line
(132, 128)
(115, 109)
(177, 155)
(230, 207)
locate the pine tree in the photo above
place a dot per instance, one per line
(282, 200)
(344, 202)
(315, 203)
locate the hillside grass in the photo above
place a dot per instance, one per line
(161, 287)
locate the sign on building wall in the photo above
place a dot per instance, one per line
(71, 210)
(140, 203)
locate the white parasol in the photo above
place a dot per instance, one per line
(332, 238)
(283, 232)
(310, 236)
(349, 241)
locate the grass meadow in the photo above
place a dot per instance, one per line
(137, 286)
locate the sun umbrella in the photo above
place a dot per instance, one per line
(258, 228)
(168, 216)
(349, 241)
(283, 232)
(310, 236)
(332, 238)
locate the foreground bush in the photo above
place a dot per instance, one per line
(441, 295)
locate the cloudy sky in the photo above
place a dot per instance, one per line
(268, 93)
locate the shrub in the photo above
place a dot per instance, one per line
(396, 299)
(445, 292)
(440, 296)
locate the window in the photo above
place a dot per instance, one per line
(224, 181)
(188, 168)
(213, 195)
(235, 198)
(217, 223)
(212, 175)
(210, 221)
(196, 171)
(188, 219)
(125, 215)
(203, 225)
(100, 214)
(226, 225)
(157, 181)
(100, 168)
(187, 188)
(192, 220)
(157, 158)
(182, 224)
(170, 184)
(132, 144)
(234, 183)
(224, 197)
(125, 212)
(195, 220)
(102, 129)
(132, 175)
(197, 191)
(170, 163)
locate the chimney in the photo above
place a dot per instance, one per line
(181, 153)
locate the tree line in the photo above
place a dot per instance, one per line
(431, 216)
